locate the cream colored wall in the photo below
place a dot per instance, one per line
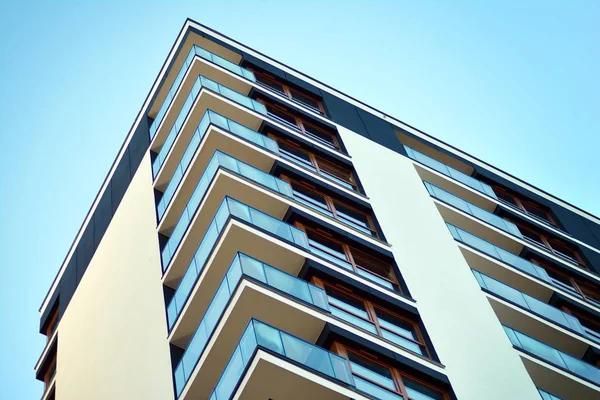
(480, 361)
(112, 338)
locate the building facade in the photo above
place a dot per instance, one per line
(261, 235)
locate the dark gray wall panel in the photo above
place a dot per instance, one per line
(102, 216)
(68, 283)
(344, 114)
(380, 131)
(120, 181)
(85, 249)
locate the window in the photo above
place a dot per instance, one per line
(349, 257)
(529, 207)
(329, 170)
(588, 291)
(52, 324)
(554, 245)
(310, 129)
(310, 196)
(367, 315)
(383, 381)
(590, 324)
(306, 99)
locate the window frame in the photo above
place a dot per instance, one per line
(314, 161)
(575, 283)
(301, 124)
(331, 206)
(521, 204)
(546, 242)
(371, 309)
(397, 376)
(288, 91)
(349, 258)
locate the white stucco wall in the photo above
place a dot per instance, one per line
(112, 338)
(480, 361)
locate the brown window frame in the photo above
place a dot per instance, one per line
(522, 205)
(318, 162)
(547, 242)
(349, 251)
(371, 309)
(397, 376)
(50, 372)
(304, 126)
(288, 91)
(575, 283)
(331, 205)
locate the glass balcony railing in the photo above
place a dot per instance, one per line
(259, 335)
(230, 208)
(451, 172)
(509, 258)
(552, 356)
(219, 160)
(534, 305)
(207, 55)
(547, 396)
(210, 118)
(242, 267)
(473, 210)
(201, 82)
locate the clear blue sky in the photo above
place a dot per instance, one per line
(515, 84)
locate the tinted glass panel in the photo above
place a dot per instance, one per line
(305, 99)
(374, 372)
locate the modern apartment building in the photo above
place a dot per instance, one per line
(262, 235)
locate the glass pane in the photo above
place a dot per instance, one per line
(374, 390)
(417, 391)
(231, 375)
(354, 320)
(305, 100)
(268, 337)
(401, 341)
(288, 284)
(307, 354)
(372, 371)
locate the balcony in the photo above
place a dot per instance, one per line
(452, 173)
(512, 316)
(238, 227)
(217, 132)
(189, 115)
(459, 212)
(554, 370)
(543, 287)
(210, 118)
(547, 396)
(207, 67)
(242, 267)
(248, 376)
(252, 289)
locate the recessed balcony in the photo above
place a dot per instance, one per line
(225, 175)
(489, 227)
(557, 372)
(199, 62)
(252, 289)
(237, 227)
(205, 94)
(534, 317)
(507, 267)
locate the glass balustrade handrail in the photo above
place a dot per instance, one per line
(219, 160)
(553, 356)
(534, 305)
(210, 118)
(243, 266)
(201, 82)
(473, 210)
(451, 172)
(230, 208)
(547, 396)
(259, 335)
(509, 258)
(207, 55)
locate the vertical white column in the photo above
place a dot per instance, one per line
(480, 361)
